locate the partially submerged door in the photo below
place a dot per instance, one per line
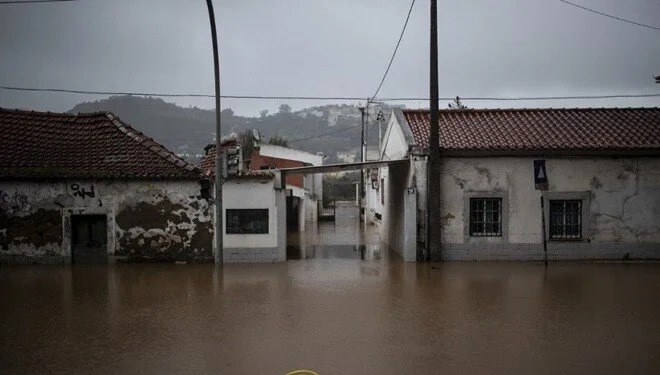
(89, 239)
(292, 213)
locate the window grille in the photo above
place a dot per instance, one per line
(485, 217)
(566, 219)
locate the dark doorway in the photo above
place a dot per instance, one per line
(292, 215)
(89, 239)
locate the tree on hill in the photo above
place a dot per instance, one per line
(227, 112)
(278, 141)
(457, 104)
(246, 139)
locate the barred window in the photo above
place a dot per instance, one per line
(485, 217)
(566, 219)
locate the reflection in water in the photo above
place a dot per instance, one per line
(344, 238)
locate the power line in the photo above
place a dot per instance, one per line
(348, 98)
(524, 98)
(36, 1)
(610, 15)
(173, 95)
(403, 30)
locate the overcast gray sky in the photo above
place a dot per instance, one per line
(328, 48)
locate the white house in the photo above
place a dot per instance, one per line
(254, 212)
(602, 199)
(311, 192)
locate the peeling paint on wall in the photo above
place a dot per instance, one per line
(157, 221)
(39, 233)
(11, 203)
(166, 230)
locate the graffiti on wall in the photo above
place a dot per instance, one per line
(11, 203)
(82, 191)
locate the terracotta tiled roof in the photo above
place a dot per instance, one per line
(254, 175)
(96, 145)
(258, 161)
(541, 130)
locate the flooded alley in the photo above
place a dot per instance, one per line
(344, 237)
(334, 316)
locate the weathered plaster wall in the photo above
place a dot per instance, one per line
(164, 220)
(623, 209)
(28, 225)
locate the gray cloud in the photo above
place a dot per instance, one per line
(334, 48)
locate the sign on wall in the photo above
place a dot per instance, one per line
(540, 175)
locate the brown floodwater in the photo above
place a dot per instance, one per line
(335, 312)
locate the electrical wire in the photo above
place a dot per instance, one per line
(396, 48)
(347, 98)
(36, 1)
(610, 15)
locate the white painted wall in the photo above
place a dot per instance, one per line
(394, 145)
(270, 247)
(313, 182)
(399, 223)
(243, 194)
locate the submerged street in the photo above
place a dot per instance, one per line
(336, 312)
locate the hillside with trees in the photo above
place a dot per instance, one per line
(188, 130)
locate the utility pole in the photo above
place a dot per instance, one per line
(218, 136)
(380, 118)
(362, 156)
(433, 182)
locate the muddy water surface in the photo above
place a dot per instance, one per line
(333, 314)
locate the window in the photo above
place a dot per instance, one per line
(247, 221)
(486, 217)
(566, 219)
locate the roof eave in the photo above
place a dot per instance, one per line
(540, 153)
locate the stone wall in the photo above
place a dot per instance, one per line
(147, 221)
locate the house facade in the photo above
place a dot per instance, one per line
(90, 188)
(601, 201)
(254, 213)
(310, 194)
